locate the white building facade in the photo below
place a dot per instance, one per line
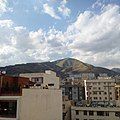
(34, 104)
(48, 79)
(102, 89)
(95, 113)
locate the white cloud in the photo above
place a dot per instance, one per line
(95, 37)
(65, 11)
(6, 23)
(4, 7)
(92, 38)
(50, 11)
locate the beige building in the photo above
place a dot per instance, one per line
(117, 93)
(48, 79)
(102, 101)
(66, 106)
(41, 104)
(102, 89)
(95, 113)
(34, 104)
(117, 88)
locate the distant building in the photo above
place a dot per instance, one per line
(117, 94)
(102, 89)
(81, 76)
(74, 92)
(102, 101)
(95, 113)
(48, 79)
(66, 107)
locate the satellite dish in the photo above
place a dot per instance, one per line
(3, 72)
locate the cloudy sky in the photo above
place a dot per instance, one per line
(47, 30)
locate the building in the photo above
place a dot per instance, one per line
(66, 107)
(95, 113)
(81, 76)
(12, 85)
(46, 79)
(10, 92)
(34, 104)
(41, 104)
(73, 91)
(102, 101)
(101, 89)
(30, 102)
(117, 93)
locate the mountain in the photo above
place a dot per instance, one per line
(61, 67)
(116, 70)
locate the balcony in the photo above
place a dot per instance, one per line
(8, 109)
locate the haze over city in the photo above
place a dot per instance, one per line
(47, 30)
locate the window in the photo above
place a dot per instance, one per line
(105, 83)
(8, 108)
(77, 112)
(63, 106)
(100, 113)
(91, 113)
(117, 114)
(100, 98)
(51, 84)
(95, 98)
(74, 92)
(94, 93)
(117, 97)
(106, 113)
(105, 98)
(94, 88)
(105, 93)
(99, 93)
(99, 88)
(110, 98)
(110, 93)
(37, 79)
(85, 112)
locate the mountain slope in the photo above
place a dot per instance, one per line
(116, 70)
(61, 67)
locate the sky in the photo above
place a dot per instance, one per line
(48, 30)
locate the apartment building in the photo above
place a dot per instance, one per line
(101, 89)
(46, 79)
(34, 104)
(117, 93)
(95, 113)
(40, 104)
(74, 92)
(66, 107)
(81, 76)
(10, 92)
(102, 101)
(31, 103)
(10, 85)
